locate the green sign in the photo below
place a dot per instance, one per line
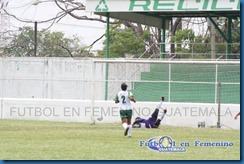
(161, 5)
(183, 5)
(102, 6)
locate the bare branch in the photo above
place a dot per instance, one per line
(91, 45)
(60, 14)
(78, 6)
(60, 45)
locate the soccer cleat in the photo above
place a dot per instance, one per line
(157, 123)
(129, 137)
(126, 131)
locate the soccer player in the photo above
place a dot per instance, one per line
(238, 114)
(124, 99)
(151, 122)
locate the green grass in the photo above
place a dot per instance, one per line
(82, 141)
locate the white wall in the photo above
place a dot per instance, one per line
(178, 114)
(62, 78)
(57, 78)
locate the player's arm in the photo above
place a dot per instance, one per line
(136, 123)
(238, 114)
(132, 97)
(116, 99)
(136, 126)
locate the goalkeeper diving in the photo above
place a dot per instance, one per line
(153, 121)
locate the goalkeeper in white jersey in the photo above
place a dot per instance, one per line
(124, 99)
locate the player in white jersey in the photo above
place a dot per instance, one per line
(124, 99)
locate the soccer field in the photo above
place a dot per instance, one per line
(82, 141)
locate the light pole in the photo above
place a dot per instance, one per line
(35, 39)
(35, 3)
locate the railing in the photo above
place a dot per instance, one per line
(203, 50)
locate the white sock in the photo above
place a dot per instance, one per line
(159, 105)
(162, 116)
(125, 125)
(130, 130)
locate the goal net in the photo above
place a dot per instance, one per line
(177, 81)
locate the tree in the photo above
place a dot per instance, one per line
(186, 38)
(50, 44)
(75, 8)
(235, 31)
(124, 41)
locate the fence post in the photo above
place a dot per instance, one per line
(218, 99)
(169, 83)
(93, 122)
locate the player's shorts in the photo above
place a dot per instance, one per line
(125, 113)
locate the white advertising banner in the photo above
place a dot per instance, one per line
(178, 114)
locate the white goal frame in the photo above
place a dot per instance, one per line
(165, 61)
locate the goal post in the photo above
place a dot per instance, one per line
(182, 81)
(178, 80)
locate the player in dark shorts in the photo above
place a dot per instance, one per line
(151, 122)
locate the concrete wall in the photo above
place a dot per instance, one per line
(46, 78)
(178, 114)
(62, 78)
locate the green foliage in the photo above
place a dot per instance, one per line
(50, 44)
(235, 35)
(190, 45)
(183, 38)
(236, 31)
(43, 140)
(125, 42)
